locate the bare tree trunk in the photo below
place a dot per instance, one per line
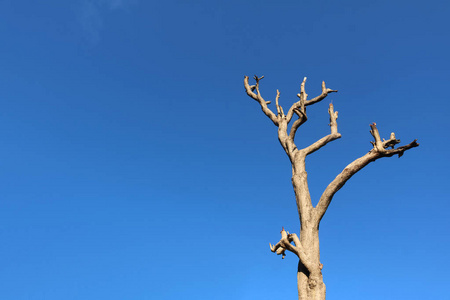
(309, 275)
(309, 287)
(309, 279)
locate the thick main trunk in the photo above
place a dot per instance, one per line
(310, 283)
(309, 278)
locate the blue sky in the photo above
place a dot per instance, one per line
(135, 167)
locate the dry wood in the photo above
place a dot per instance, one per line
(306, 247)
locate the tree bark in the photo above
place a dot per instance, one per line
(309, 273)
(309, 277)
(310, 284)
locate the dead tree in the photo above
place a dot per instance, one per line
(306, 247)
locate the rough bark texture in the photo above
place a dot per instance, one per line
(306, 247)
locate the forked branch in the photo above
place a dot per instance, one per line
(379, 150)
(257, 96)
(297, 108)
(285, 244)
(331, 137)
(325, 92)
(300, 107)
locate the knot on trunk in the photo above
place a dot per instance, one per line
(312, 283)
(314, 280)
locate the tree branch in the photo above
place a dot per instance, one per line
(378, 151)
(299, 109)
(257, 96)
(279, 108)
(331, 137)
(325, 92)
(299, 106)
(302, 118)
(285, 244)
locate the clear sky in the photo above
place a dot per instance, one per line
(134, 166)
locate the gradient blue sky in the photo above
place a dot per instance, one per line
(135, 167)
